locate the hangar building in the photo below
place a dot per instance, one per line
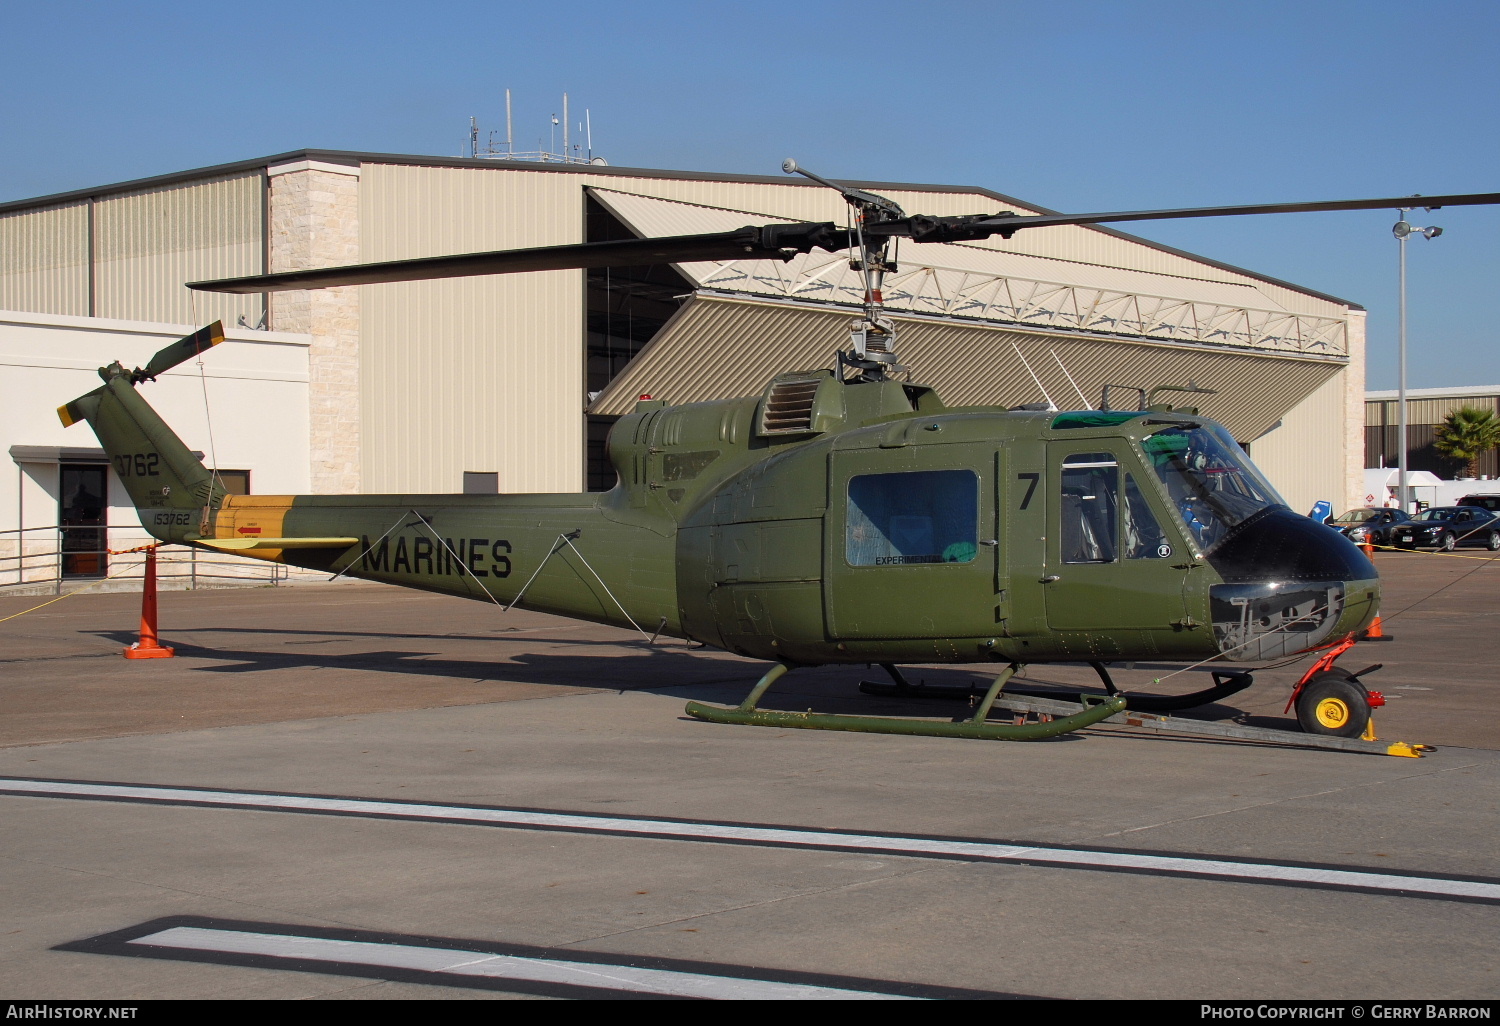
(511, 382)
(1426, 409)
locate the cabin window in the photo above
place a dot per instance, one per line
(1090, 507)
(917, 517)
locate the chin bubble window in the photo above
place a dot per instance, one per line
(917, 517)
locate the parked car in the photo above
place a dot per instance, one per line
(1372, 524)
(1447, 527)
(1489, 502)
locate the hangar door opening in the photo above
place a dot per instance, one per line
(627, 306)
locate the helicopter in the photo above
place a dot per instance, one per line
(844, 515)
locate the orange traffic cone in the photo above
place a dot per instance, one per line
(1375, 632)
(148, 647)
(1369, 548)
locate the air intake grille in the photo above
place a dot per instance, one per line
(788, 407)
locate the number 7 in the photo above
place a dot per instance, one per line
(1030, 489)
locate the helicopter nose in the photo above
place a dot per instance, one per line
(1290, 584)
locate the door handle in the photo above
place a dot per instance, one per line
(1050, 578)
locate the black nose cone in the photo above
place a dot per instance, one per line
(1280, 545)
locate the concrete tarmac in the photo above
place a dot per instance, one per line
(374, 693)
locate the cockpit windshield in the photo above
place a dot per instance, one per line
(1212, 482)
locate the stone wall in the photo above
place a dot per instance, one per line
(315, 223)
(1354, 414)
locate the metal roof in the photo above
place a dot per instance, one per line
(356, 157)
(1451, 392)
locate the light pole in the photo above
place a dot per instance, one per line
(1402, 231)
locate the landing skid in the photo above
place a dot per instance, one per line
(1090, 710)
(1225, 684)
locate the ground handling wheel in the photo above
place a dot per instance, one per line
(1331, 703)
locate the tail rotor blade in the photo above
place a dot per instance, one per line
(183, 349)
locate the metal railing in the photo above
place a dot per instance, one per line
(38, 556)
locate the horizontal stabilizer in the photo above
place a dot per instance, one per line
(75, 411)
(246, 544)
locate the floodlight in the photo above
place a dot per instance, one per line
(1401, 229)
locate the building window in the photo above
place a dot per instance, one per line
(235, 482)
(481, 482)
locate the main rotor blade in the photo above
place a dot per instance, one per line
(1410, 202)
(767, 242)
(954, 229)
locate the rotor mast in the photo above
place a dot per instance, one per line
(872, 338)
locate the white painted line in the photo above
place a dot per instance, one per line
(783, 837)
(451, 961)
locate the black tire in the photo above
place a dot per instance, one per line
(1493, 543)
(1332, 704)
(1449, 542)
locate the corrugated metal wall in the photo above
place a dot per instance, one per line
(474, 374)
(1382, 428)
(486, 374)
(44, 260)
(147, 244)
(727, 347)
(1299, 457)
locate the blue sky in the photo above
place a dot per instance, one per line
(1075, 105)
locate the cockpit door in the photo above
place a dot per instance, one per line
(1115, 560)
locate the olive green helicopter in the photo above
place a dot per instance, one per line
(843, 515)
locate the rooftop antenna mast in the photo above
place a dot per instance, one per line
(508, 140)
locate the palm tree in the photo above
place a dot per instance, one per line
(1467, 434)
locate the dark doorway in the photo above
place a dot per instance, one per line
(83, 499)
(627, 306)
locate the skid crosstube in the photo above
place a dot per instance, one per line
(977, 726)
